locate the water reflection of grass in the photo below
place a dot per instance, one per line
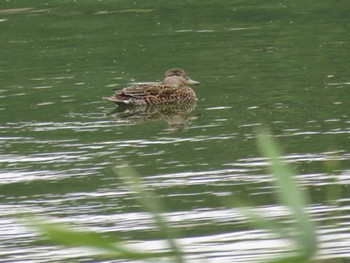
(289, 194)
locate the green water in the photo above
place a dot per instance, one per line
(284, 64)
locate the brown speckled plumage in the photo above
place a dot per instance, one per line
(172, 90)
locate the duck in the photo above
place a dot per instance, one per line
(172, 89)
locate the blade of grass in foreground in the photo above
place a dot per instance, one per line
(106, 247)
(112, 247)
(152, 205)
(291, 195)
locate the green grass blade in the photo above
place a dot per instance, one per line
(291, 195)
(105, 246)
(297, 259)
(151, 204)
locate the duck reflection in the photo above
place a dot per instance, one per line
(176, 115)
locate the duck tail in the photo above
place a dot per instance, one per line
(114, 99)
(117, 100)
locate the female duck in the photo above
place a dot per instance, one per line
(173, 89)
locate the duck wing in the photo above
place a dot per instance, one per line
(143, 91)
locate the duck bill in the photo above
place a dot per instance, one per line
(191, 82)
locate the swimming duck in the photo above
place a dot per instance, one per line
(173, 89)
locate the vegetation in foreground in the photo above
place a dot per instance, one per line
(288, 193)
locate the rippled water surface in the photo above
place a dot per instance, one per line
(284, 64)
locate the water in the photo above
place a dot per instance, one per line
(282, 64)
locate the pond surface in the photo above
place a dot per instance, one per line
(284, 64)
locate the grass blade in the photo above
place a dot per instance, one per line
(108, 247)
(291, 195)
(151, 204)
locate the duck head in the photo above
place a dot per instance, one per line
(177, 77)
